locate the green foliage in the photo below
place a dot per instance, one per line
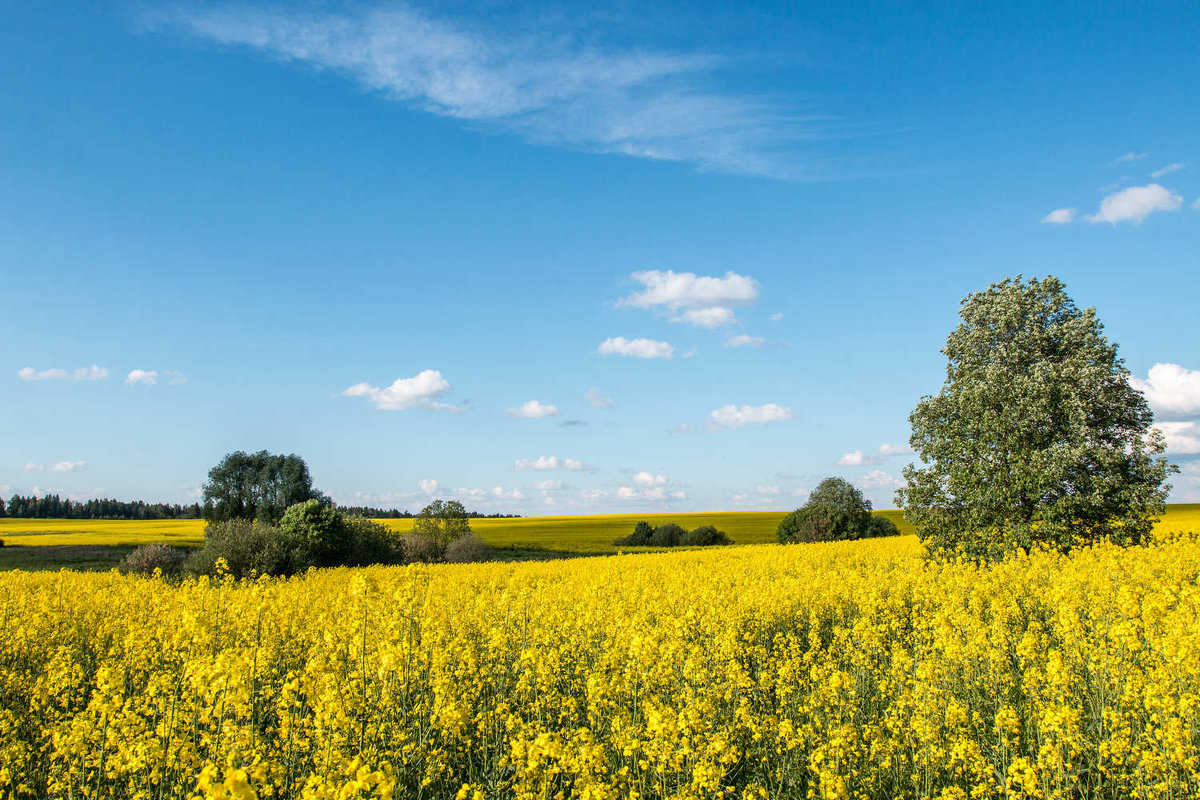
(443, 521)
(257, 486)
(835, 511)
(667, 535)
(640, 536)
(705, 536)
(1036, 437)
(249, 547)
(149, 557)
(881, 526)
(321, 528)
(370, 542)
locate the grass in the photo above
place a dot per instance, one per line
(101, 544)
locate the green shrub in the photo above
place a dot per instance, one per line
(667, 535)
(882, 526)
(250, 547)
(812, 523)
(640, 536)
(323, 531)
(705, 536)
(467, 549)
(370, 542)
(149, 557)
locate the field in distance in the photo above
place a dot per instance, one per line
(100, 544)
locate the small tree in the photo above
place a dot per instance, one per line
(667, 535)
(443, 521)
(321, 528)
(256, 486)
(835, 511)
(1036, 437)
(705, 536)
(640, 536)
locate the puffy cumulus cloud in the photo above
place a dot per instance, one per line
(736, 416)
(1060, 216)
(649, 479)
(92, 373)
(549, 463)
(1183, 438)
(1167, 170)
(592, 495)
(656, 494)
(596, 399)
(888, 450)
(428, 485)
(500, 493)
(418, 391)
(1135, 204)
(637, 348)
(745, 340)
(878, 479)
(149, 377)
(701, 300)
(531, 409)
(855, 458)
(548, 485)
(1170, 389)
(68, 466)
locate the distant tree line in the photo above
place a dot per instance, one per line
(51, 506)
(392, 513)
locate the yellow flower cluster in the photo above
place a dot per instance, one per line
(854, 670)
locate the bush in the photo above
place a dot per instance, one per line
(835, 511)
(370, 542)
(705, 536)
(320, 528)
(882, 526)
(149, 557)
(250, 547)
(421, 548)
(640, 536)
(667, 535)
(467, 549)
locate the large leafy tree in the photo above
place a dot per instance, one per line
(835, 510)
(1036, 437)
(257, 486)
(442, 521)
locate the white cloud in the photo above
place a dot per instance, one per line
(549, 463)
(1183, 438)
(92, 373)
(532, 409)
(34, 467)
(649, 480)
(548, 87)
(656, 494)
(745, 340)
(1135, 204)
(1060, 216)
(638, 348)
(418, 391)
(769, 490)
(855, 458)
(683, 427)
(700, 300)
(149, 377)
(500, 493)
(428, 485)
(593, 494)
(597, 400)
(1167, 170)
(775, 317)
(68, 466)
(1130, 156)
(1171, 389)
(888, 450)
(175, 377)
(548, 486)
(878, 479)
(736, 416)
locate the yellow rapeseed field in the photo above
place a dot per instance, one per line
(853, 670)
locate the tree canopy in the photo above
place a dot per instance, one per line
(257, 486)
(442, 521)
(835, 510)
(1036, 437)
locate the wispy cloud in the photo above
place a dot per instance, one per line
(1135, 204)
(1059, 216)
(149, 377)
(1167, 170)
(549, 463)
(745, 340)
(737, 416)
(419, 391)
(547, 88)
(637, 348)
(58, 466)
(702, 300)
(92, 373)
(1130, 156)
(596, 399)
(887, 450)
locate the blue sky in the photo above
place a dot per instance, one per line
(555, 259)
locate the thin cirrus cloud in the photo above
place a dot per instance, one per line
(596, 399)
(532, 409)
(1167, 170)
(420, 391)
(58, 466)
(745, 340)
(732, 416)
(545, 88)
(92, 373)
(702, 300)
(543, 463)
(635, 348)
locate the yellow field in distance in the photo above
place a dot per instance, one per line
(575, 534)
